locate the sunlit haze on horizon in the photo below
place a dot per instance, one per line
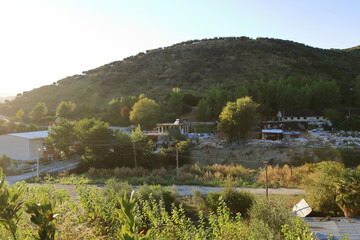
(44, 41)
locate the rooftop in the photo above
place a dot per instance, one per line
(337, 226)
(30, 135)
(272, 131)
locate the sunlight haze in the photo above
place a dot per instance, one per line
(44, 41)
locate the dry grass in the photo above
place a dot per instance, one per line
(285, 176)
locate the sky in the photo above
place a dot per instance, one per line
(43, 41)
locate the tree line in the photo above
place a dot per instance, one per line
(102, 147)
(307, 93)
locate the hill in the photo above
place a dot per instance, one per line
(4, 98)
(193, 66)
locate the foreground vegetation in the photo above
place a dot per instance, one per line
(331, 189)
(151, 212)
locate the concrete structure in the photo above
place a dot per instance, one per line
(23, 146)
(272, 134)
(182, 125)
(300, 116)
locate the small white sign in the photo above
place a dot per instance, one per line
(302, 209)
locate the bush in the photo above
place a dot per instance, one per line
(158, 193)
(212, 201)
(350, 156)
(320, 189)
(197, 197)
(5, 162)
(114, 188)
(236, 201)
(348, 192)
(270, 220)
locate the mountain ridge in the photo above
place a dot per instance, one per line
(193, 66)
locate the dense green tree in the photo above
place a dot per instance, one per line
(19, 116)
(334, 116)
(210, 106)
(96, 139)
(175, 102)
(62, 136)
(142, 147)
(65, 109)
(3, 126)
(122, 151)
(357, 90)
(118, 110)
(38, 112)
(175, 134)
(324, 94)
(238, 118)
(348, 192)
(351, 123)
(320, 188)
(145, 112)
(5, 162)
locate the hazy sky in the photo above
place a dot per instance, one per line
(43, 41)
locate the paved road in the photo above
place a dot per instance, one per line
(185, 190)
(57, 166)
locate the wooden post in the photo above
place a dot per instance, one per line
(266, 179)
(134, 154)
(177, 160)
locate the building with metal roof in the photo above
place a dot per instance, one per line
(25, 146)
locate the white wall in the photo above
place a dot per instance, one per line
(35, 145)
(18, 148)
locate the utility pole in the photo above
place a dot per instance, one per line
(266, 179)
(134, 154)
(177, 160)
(37, 161)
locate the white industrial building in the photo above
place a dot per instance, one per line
(25, 146)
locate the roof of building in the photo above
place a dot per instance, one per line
(300, 113)
(272, 131)
(338, 227)
(126, 130)
(31, 135)
(177, 122)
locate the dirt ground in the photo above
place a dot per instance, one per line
(253, 157)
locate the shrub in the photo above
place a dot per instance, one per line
(4, 162)
(42, 215)
(114, 188)
(348, 192)
(270, 220)
(236, 201)
(320, 189)
(98, 210)
(11, 205)
(197, 197)
(212, 201)
(157, 193)
(296, 229)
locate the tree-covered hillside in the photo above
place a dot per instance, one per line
(193, 67)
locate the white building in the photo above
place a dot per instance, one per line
(25, 146)
(183, 126)
(300, 116)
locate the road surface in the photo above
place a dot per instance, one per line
(185, 190)
(57, 166)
